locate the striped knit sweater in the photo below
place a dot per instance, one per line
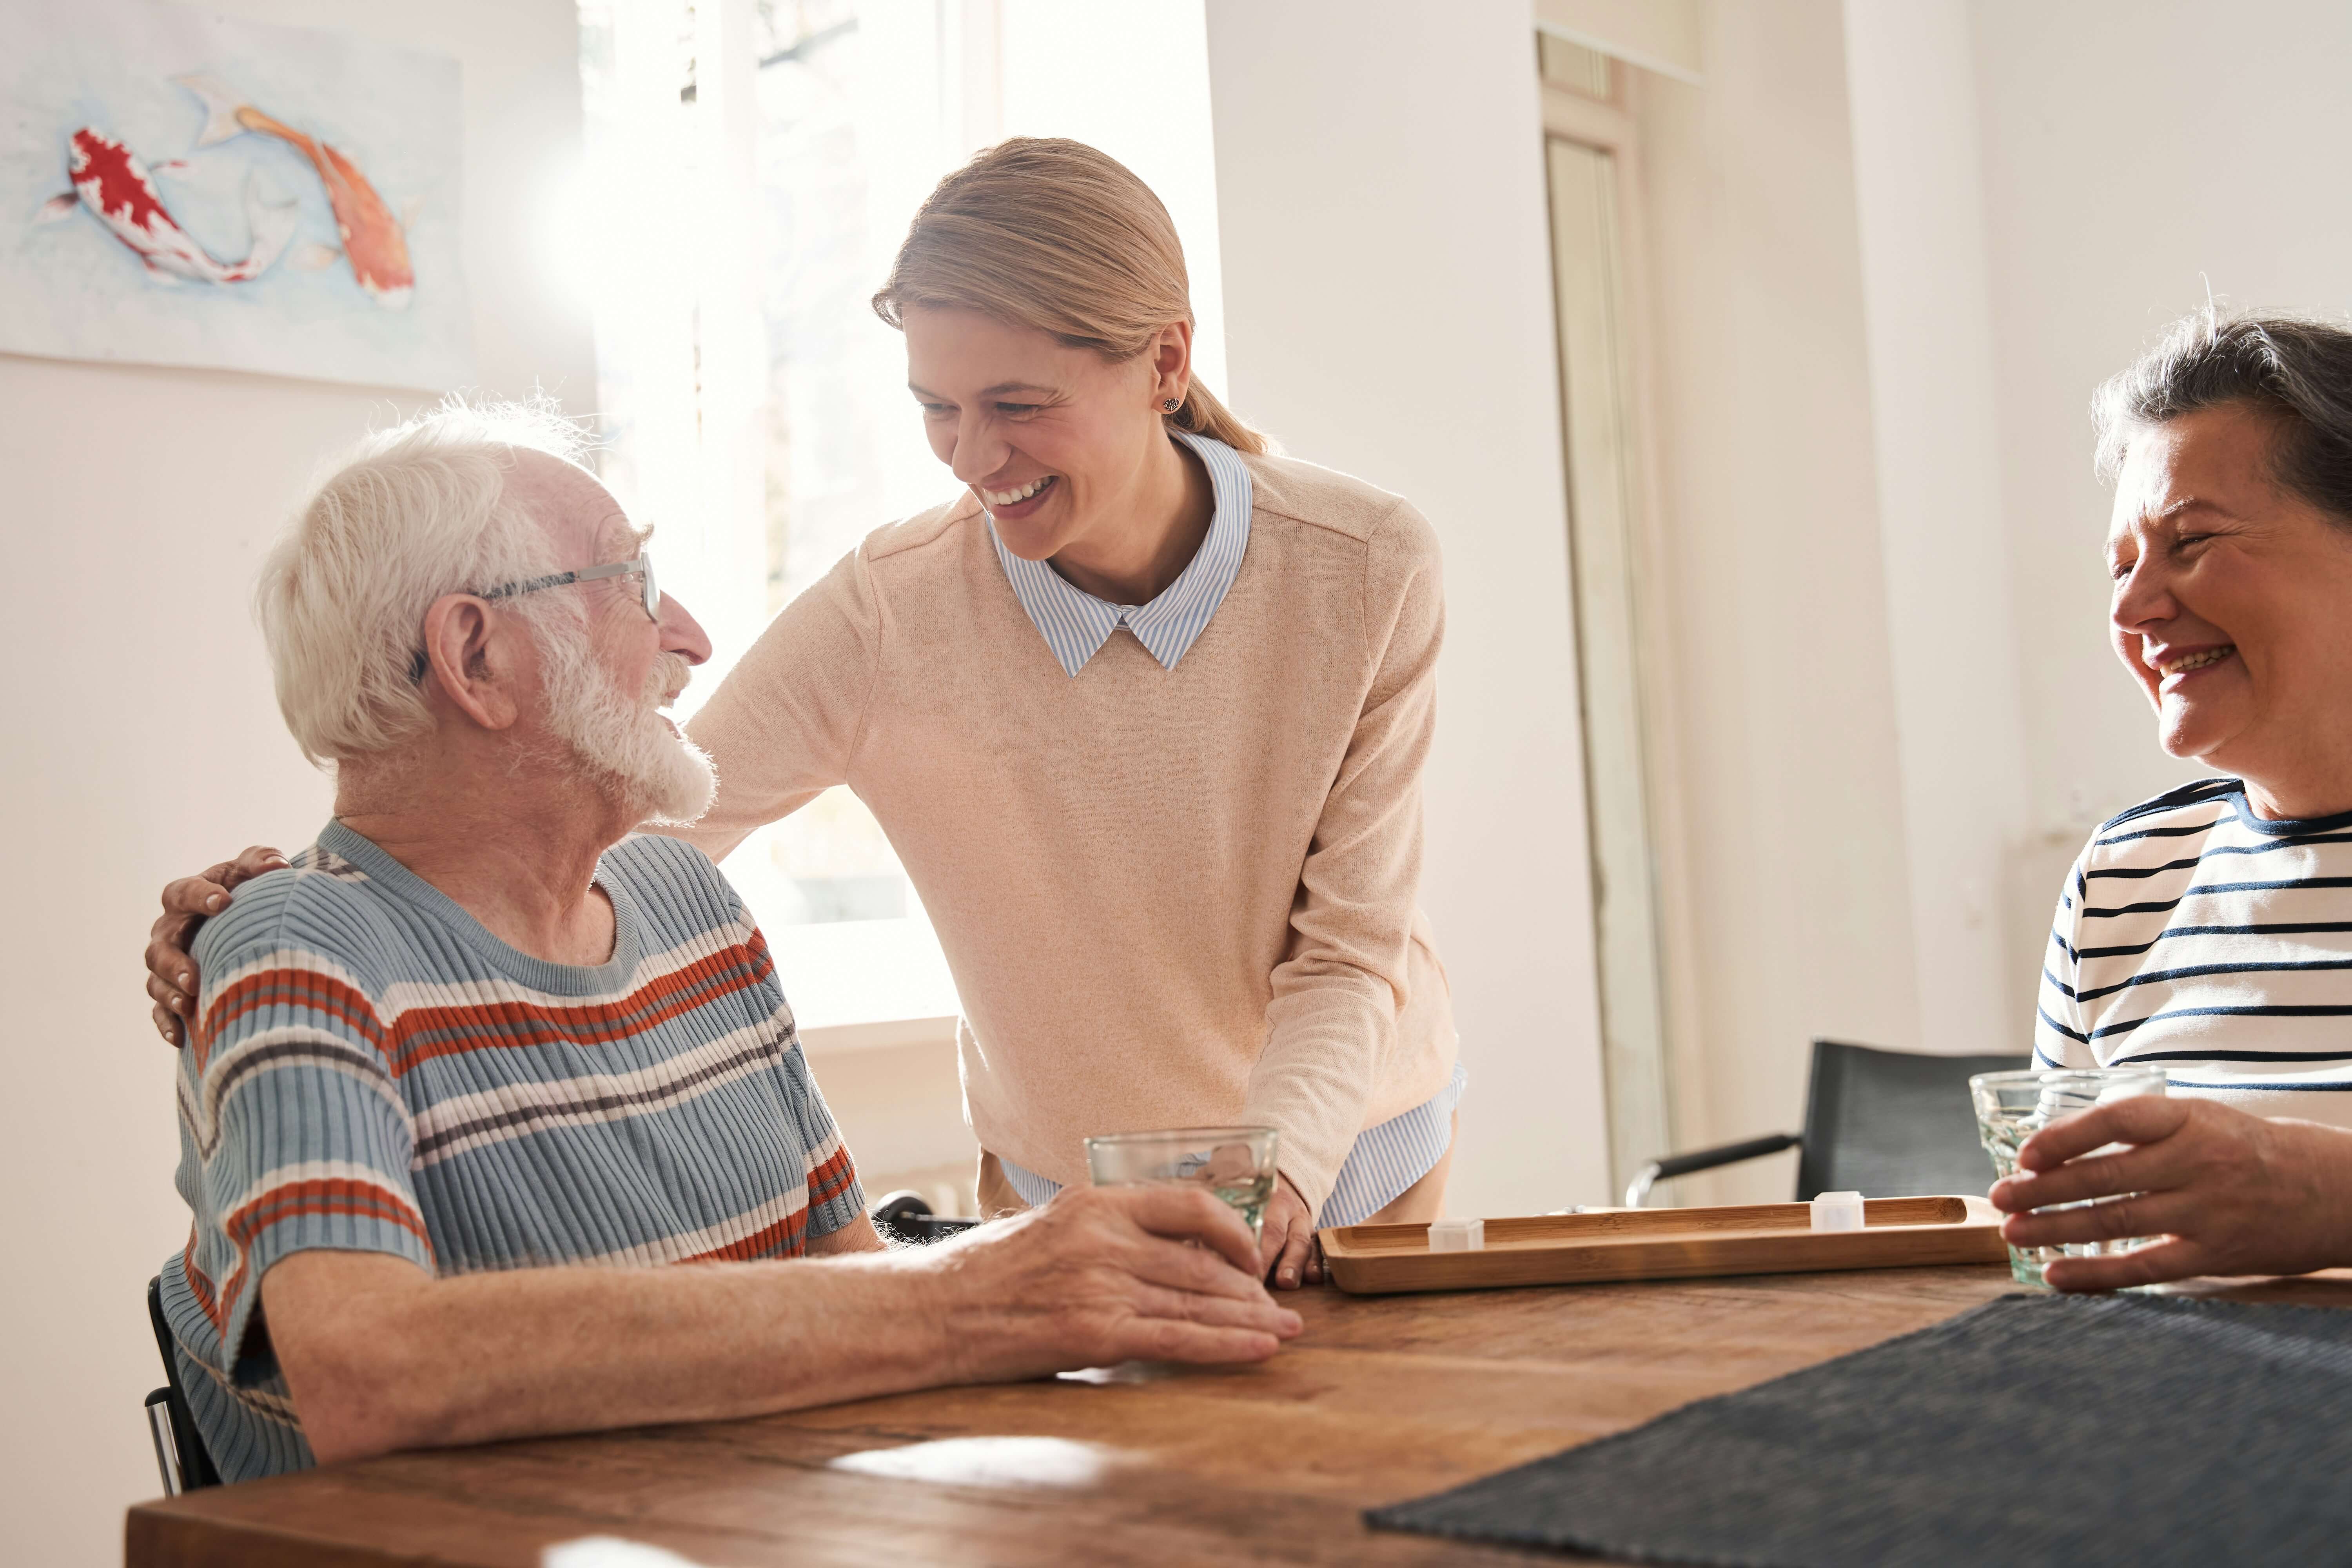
(2198, 937)
(373, 1071)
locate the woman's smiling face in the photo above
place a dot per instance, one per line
(2233, 605)
(1053, 440)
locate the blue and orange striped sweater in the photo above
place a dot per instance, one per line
(373, 1071)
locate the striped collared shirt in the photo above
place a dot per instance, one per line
(1076, 623)
(2198, 937)
(373, 1071)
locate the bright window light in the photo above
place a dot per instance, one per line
(748, 178)
(751, 167)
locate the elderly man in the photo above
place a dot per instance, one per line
(475, 1063)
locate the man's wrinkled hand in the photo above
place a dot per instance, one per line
(187, 904)
(2231, 1193)
(1288, 1253)
(1102, 1275)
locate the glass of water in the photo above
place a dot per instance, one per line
(1234, 1164)
(2013, 1106)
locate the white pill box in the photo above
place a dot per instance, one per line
(1457, 1236)
(1837, 1211)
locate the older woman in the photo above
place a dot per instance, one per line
(2208, 930)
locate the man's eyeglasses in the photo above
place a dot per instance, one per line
(643, 566)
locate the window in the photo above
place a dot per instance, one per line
(748, 174)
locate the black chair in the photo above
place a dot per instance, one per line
(1882, 1123)
(906, 1216)
(180, 1456)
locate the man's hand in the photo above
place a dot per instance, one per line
(2233, 1193)
(187, 904)
(1286, 1251)
(1102, 1275)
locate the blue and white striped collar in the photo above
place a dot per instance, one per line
(1076, 623)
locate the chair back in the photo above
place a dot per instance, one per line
(193, 1464)
(1893, 1124)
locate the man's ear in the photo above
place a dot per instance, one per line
(475, 656)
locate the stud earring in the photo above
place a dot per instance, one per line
(1172, 405)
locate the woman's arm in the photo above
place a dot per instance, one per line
(1331, 1024)
(783, 725)
(2061, 1033)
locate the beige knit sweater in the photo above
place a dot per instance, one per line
(1168, 898)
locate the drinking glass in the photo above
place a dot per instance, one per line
(1235, 1164)
(2013, 1106)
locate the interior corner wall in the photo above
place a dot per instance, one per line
(147, 744)
(1776, 599)
(1388, 312)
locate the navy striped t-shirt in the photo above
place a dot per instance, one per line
(373, 1071)
(2198, 937)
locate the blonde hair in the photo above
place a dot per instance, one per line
(414, 513)
(1053, 234)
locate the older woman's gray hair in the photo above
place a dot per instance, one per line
(2296, 368)
(414, 512)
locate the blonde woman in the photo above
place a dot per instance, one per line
(1143, 711)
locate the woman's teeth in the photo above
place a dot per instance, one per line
(2198, 661)
(1015, 497)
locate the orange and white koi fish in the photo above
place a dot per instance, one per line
(374, 240)
(120, 192)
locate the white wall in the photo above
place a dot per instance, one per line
(137, 504)
(1388, 312)
(2135, 155)
(2030, 219)
(1790, 786)
(1952, 636)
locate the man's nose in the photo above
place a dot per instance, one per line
(681, 634)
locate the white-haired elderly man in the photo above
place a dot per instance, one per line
(477, 1063)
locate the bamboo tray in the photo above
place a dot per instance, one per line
(1665, 1244)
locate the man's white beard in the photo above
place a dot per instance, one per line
(624, 741)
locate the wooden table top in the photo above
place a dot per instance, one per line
(1383, 1399)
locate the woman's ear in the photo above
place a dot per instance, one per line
(471, 655)
(1171, 362)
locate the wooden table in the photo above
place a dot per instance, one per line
(1383, 1399)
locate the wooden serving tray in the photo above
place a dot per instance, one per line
(1665, 1244)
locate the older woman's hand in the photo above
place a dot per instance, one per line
(2232, 1194)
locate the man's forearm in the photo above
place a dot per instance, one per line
(378, 1356)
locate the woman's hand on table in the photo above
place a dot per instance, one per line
(187, 904)
(2232, 1193)
(1287, 1254)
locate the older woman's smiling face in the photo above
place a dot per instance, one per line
(2232, 609)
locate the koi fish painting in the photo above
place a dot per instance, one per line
(178, 187)
(109, 181)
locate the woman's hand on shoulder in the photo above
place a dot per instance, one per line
(1288, 1253)
(187, 904)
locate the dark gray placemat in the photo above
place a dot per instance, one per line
(2034, 1429)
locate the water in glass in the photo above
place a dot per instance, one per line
(2012, 1107)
